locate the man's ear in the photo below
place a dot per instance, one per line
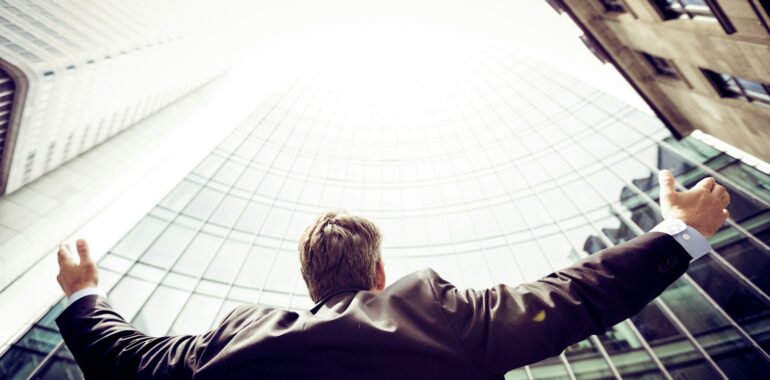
(380, 283)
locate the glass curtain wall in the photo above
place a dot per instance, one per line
(509, 173)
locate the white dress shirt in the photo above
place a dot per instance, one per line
(690, 239)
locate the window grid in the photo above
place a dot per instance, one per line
(722, 179)
(633, 328)
(501, 100)
(723, 314)
(541, 250)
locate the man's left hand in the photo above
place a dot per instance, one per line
(74, 276)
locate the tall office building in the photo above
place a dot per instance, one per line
(505, 175)
(74, 73)
(700, 64)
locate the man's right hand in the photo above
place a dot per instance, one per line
(703, 207)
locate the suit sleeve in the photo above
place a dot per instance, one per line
(105, 346)
(505, 327)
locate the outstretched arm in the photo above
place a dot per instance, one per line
(507, 327)
(104, 345)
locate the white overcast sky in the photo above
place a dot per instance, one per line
(417, 36)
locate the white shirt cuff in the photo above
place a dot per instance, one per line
(82, 293)
(689, 238)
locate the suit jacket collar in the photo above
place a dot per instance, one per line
(329, 296)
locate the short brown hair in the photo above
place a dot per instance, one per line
(339, 251)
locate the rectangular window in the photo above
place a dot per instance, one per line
(663, 67)
(733, 87)
(696, 10)
(613, 5)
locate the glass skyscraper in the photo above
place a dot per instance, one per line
(505, 175)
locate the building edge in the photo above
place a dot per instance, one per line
(605, 55)
(20, 84)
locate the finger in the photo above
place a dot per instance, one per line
(83, 251)
(706, 184)
(667, 183)
(722, 193)
(726, 213)
(63, 255)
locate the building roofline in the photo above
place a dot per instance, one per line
(560, 6)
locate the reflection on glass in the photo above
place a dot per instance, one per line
(157, 315)
(587, 362)
(551, 368)
(531, 171)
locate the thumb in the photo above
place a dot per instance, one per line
(667, 183)
(83, 251)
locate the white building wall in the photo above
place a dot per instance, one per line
(96, 67)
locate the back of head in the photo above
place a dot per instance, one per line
(339, 251)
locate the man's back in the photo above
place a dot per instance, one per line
(350, 333)
(420, 326)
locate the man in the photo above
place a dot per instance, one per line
(420, 326)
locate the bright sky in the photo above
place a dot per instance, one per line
(380, 43)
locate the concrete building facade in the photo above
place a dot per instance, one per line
(700, 64)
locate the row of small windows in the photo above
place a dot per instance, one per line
(7, 89)
(708, 10)
(40, 43)
(726, 85)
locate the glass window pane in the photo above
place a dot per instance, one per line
(129, 295)
(278, 221)
(551, 368)
(169, 246)
(178, 198)
(531, 259)
(252, 218)
(140, 237)
(747, 309)
(197, 315)
(228, 261)
(678, 355)
(744, 254)
(229, 172)
(228, 211)
(196, 257)
(475, 271)
(159, 312)
(751, 86)
(517, 374)
(504, 269)
(587, 362)
(718, 338)
(61, 366)
(18, 362)
(284, 273)
(203, 204)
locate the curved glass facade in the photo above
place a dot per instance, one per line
(508, 174)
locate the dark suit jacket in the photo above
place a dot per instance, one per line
(419, 327)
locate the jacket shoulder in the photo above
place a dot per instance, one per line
(418, 285)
